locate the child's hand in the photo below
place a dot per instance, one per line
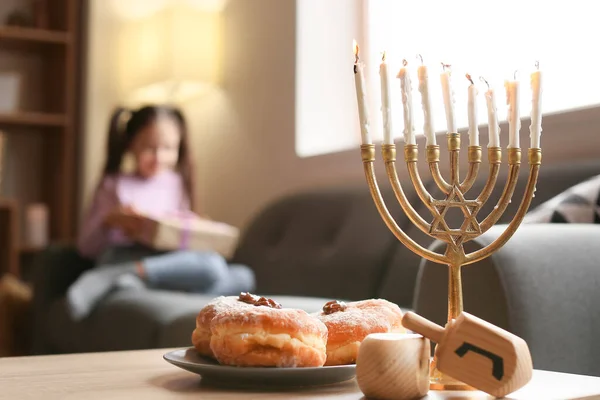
(125, 218)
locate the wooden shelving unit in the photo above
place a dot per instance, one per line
(18, 34)
(9, 232)
(25, 118)
(49, 121)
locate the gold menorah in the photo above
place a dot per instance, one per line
(454, 190)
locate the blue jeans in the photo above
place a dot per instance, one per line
(188, 271)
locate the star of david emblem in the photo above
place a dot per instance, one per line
(470, 227)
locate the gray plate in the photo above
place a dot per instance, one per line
(190, 360)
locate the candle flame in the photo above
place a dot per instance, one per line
(383, 56)
(481, 78)
(469, 78)
(355, 49)
(537, 64)
(404, 62)
(421, 58)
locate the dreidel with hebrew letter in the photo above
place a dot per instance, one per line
(477, 353)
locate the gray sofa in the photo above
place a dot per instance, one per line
(315, 246)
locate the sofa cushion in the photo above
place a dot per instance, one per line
(141, 319)
(578, 204)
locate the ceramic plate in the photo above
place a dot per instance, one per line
(190, 360)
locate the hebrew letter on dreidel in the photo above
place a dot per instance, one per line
(477, 353)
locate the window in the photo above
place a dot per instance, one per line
(490, 39)
(484, 38)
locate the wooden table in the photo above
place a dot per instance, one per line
(145, 375)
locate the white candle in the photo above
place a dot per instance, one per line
(406, 90)
(426, 102)
(448, 96)
(386, 108)
(514, 121)
(363, 114)
(535, 129)
(493, 127)
(472, 112)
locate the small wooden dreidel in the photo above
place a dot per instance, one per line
(477, 353)
(393, 366)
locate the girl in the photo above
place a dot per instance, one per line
(155, 140)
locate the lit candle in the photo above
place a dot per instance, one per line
(472, 111)
(535, 128)
(514, 122)
(363, 114)
(493, 127)
(406, 90)
(386, 109)
(448, 96)
(426, 103)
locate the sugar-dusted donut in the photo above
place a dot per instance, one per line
(260, 333)
(349, 323)
(201, 334)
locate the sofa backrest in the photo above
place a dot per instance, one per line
(330, 243)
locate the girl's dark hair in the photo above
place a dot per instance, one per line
(121, 135)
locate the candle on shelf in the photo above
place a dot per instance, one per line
(535, 129)
(514, 121)
(363, 113)
(426, 103)
(386, 108)
(493, 127)
(406, 90)
(448, 96)
(472, 112)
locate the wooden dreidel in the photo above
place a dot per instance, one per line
(393, 366)
(477, 353)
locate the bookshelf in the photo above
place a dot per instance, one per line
(45, 121)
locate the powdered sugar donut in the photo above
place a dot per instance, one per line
(261, 333)
(349, 323)
(201, 335)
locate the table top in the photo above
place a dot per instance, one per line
(144, 374)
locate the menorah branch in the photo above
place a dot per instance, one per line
(514, 162)
(535, 160)
(433, 159)
(494, 160)
(454, 149)
(368, 157)
(474, 163)
(411, 156)
(388, 152)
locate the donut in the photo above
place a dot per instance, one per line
(201, 335)
(263, 334)
(349, 324)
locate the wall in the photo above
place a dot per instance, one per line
(244, 134)
(101, 92)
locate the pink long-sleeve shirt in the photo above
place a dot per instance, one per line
(159, 195)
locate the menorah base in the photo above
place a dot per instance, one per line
(440, 381)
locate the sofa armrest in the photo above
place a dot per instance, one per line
(543, 285)
(57, 267)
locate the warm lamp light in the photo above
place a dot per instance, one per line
(172, 55)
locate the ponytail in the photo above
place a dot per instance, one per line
(117, 142)
(184, 162)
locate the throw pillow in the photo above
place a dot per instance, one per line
(579, 204)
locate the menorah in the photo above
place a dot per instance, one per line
(454, 191)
